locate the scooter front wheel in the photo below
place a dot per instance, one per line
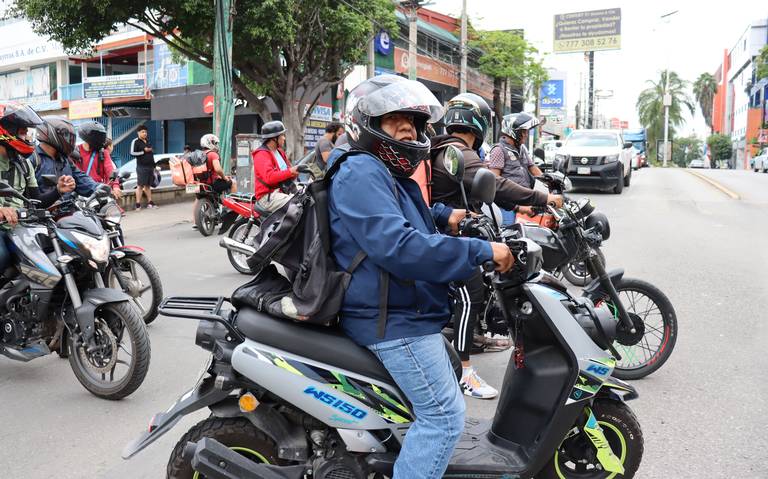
(575, 457)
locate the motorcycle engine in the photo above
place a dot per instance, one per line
(334, 462)
(17, 324)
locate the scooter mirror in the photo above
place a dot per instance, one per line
(483, 187)
(539, 153)
(453, 161)
(125, 175)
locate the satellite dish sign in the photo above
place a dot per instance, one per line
(383, 43)
(552, 95)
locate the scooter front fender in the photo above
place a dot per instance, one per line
(618, 390)
(594, 290)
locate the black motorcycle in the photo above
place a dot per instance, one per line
(647, 322)
(129, 268)
(54, 299)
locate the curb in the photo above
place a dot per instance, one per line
(715, 184)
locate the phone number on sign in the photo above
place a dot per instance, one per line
(587, 43)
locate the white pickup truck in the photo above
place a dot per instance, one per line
(598, 159)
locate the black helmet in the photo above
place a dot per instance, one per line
(516, 122)
(469, 111)
(371, 100)
(59, 133)
(13, 118)
(272, 129)
(93, 133)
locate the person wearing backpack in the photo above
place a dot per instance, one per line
(272, 171)
(214, 173)
(94, 158)
(397, 300)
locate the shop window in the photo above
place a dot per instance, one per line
(75, 74)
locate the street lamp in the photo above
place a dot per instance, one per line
(667, 97)
(601, 95)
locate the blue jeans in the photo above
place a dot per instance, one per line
(421, 368)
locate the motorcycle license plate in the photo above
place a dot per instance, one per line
(583, 170)
(193, 188)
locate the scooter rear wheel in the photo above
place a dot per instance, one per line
(205, 217)
(574, 457)
(238, 433)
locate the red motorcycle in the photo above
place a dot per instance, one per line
(243, 220)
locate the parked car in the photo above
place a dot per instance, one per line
(760, 162)
(161, 161)
(696, 164)
(598, 159)
(550, 149)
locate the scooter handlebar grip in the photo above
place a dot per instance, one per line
(489, 266)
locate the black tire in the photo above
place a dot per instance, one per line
(620, 182)
(148, 312)
(205, 217)
(661, 327)
(628, 178)
(576, 272)
(237, 432)
(621, 429)
(120, 318)
(236, 232)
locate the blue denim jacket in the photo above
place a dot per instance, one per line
(45, 165)
(399, 234)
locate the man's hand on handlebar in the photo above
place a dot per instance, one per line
(9, 215)
(555, 200)
(502, 257)
(117, 193)
(66, 184)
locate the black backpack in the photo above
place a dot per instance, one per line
(297, 236)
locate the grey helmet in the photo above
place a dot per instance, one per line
(272, 129)
(514, 123)
(58, 133)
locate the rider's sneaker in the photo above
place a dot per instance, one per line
(151, 205)
(475, 386)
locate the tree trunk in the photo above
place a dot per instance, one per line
(497, 106)
(294, 130)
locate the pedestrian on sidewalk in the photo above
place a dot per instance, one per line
(94, 156)
(326, 143)
(142, 150)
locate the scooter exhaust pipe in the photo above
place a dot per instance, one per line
(236, 246)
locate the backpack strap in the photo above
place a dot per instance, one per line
(359, 258)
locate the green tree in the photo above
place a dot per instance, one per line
(720, 147)
(507, 56)
(704, 90)
(762, 63)
(686, 149)
(650, 107)
(291, 50)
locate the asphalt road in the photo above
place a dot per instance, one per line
(703, 414)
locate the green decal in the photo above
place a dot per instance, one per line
(605, 455)
(390, 399)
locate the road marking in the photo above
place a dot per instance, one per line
(731, 194)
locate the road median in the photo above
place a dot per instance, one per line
(728, 192)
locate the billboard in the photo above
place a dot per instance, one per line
(113, 86)
(588, 31)
(552, 95)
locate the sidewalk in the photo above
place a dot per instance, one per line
(164, 216)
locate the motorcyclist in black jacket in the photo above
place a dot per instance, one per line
(467, 120)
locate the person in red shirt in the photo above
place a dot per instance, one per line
(214, 176)
(273, 172)
(95, 159)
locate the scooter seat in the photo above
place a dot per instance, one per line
(325, 345)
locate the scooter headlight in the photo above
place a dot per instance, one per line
(98, 248)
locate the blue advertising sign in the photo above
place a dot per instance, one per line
(167, 73)
(552, 95)
(383, 43)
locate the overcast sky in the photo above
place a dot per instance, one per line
(691, 43)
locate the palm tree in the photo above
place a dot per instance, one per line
(650, 106)
(704, 89)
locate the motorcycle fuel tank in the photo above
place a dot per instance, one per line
(30, 258)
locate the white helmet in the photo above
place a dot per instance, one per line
(210, 142)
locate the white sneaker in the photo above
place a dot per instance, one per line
(475, 386)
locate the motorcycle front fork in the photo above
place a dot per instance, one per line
(597, 270)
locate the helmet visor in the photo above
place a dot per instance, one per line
(400, 95)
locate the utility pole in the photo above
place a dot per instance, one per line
(371, 69)
(591, 92)
(463, 77)
(667, 104)
(224, 106)
(412, 38)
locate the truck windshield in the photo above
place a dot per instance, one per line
(593, 140)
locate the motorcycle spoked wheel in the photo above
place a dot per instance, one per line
(118, 327)
(576, 272)
(654, 317)
(576, 456)
(237, 233)
(238, 433)
(141, 278)
(205, 217)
